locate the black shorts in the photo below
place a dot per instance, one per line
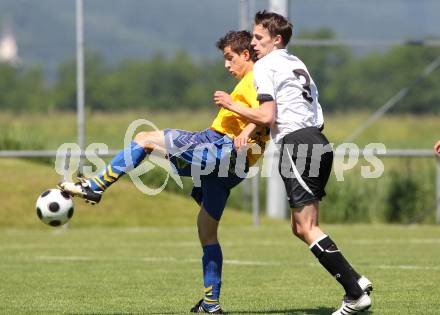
(305, 164)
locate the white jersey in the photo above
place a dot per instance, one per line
(284, 78)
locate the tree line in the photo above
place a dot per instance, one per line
(345, 80)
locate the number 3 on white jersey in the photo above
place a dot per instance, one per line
(304, 79)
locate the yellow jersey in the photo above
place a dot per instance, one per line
(231, 124)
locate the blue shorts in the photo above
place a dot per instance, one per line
(214, 192)
(205, 151)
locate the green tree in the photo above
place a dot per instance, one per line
(369, 82)
(65, 87)
(324, 64)
(23, 89)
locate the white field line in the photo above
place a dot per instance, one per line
(159, 229)
(408, 267)
(158, 259)
(251, 263)
(293, 241)
(226, 261)
(193, 229)
(262, 243)
(64, 258)
(392, 267)
(398, 241)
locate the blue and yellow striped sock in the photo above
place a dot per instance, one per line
(118, 167)
(212, 273)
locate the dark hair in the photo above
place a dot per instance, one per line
(239, 41)
(275, 24)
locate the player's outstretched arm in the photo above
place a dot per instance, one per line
(437, 147)
(264, 115)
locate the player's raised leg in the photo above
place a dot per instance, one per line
(91, 189)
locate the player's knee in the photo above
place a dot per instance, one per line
(301, 231)
(143, 139)
(207, 234)
(298, 231)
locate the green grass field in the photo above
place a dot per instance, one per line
(137, 254)
(157, 270)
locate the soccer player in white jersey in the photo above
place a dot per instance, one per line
(289, 105)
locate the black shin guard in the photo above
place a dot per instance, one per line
(332, 259)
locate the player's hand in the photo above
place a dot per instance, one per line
(222, 99)
(437, 147)
(240, 142)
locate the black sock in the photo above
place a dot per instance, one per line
(355, 274)
(332, 259)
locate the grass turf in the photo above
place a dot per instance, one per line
(157, 270)
(136, 254)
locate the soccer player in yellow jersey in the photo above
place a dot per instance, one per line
(207, 149)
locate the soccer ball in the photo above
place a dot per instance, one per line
(54, 207)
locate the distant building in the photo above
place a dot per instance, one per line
(8, 47)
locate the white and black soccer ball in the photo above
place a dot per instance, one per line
(54, 207)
